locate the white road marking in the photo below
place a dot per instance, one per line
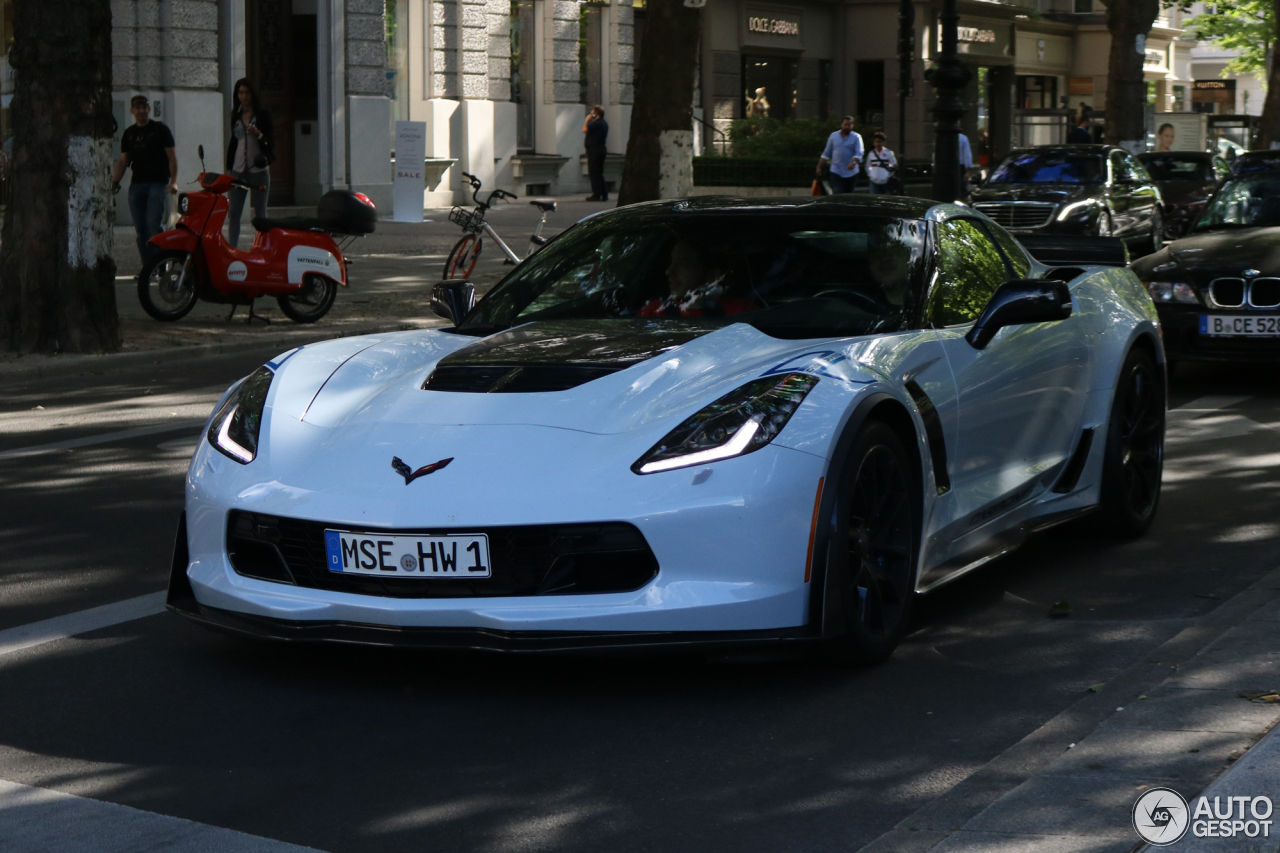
(36, 820)
(101, 438)
(80, 622)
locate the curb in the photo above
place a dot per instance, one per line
(48, 367)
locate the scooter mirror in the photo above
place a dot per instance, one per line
(200, 151)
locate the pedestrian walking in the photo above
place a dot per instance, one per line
(844, 153)
(881, 164)
(595, 132)
(251, 135)
(147, 149)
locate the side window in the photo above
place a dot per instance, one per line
(1136, 169)
(969, 269)
(1019, 266)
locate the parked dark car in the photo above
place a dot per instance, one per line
(1255, 163)
(1187, 180)
(1217, 290)
(1095, 190)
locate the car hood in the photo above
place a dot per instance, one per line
(1179, 193)
(1229, 250)
(638, 373)
(1055, 193)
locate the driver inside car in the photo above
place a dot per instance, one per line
(697, 288)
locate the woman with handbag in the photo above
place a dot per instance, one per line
(251, 135)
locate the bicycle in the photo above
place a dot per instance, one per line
(462, 260)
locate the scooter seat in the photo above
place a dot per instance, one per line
(295, 223)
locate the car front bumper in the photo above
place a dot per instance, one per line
(1180, 326)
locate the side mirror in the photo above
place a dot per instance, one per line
(260, 162)
(1017, 303)
(453, 300)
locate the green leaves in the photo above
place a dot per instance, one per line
(1247, 26)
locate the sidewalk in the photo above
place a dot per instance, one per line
(392, 273)
(1180, 719)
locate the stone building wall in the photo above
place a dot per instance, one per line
(498, 14)
(164, 43)
(366, 47)
(560, 54)
(622, 66)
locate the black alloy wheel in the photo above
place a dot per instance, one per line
(311, 301)
(876, 531)
(1133, 461)
(167, 285)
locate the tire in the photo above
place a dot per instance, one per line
(165, 293)
(311, 301)
(877, 521)
(1157, 231)
(1133, 460)
(462, 260)
(1104, 227)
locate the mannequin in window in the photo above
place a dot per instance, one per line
(759, 105)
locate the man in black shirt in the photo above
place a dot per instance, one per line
(596, 131)
(148, 148)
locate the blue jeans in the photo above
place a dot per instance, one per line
(841, 184)
(258, 201)
(146, 206)
(879, 189)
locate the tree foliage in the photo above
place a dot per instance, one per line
(1245, 26)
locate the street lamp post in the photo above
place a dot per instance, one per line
(948, 78)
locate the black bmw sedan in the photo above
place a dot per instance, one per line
(1217, 290)
(1094, 190)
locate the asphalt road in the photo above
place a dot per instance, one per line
(376, 750)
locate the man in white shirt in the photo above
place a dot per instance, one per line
(880, 165)
(844, 153)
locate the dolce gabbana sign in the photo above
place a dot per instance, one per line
(984, 38)
(769, 26)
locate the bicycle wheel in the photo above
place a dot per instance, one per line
(462, 260)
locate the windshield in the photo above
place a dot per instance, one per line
(789, 276)
(1049, 167)
(1247, 202)
(1175, 168)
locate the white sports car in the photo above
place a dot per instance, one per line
(714, 421)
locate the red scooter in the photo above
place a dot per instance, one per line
(294, 259)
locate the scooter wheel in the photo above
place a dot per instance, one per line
(311, 301)
(167, 286)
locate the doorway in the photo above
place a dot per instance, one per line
(280, 48)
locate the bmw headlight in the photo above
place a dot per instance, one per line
(738, 423)
(234, 430)
(1172, 291)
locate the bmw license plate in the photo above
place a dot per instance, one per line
(465, 556)
(1240, 325)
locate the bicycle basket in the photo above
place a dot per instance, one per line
(469, 219)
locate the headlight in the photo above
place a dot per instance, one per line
(183, 202)
(1173, 291)
(1076, 208)
(738, 423)
(234, 429)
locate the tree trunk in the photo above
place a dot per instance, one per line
(1269, 125)
(1129, 21)
(57, 278)
(659, 160)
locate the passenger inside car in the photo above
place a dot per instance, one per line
(697, 288)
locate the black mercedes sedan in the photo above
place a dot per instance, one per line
(1093, 190)
(1187, 180)
(1217, 290)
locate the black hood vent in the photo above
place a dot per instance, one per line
(557, 356)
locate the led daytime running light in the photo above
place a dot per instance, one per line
(736, 445)
(227, 443)
(234, 429)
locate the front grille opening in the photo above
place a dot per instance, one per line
(1018, 214)
(527, 560)
(1227, 292)
(1265, 293)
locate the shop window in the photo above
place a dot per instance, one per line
(397, 20)
(522, 65)
(770, 84)
(871, 92)
(1037, 92)
(590, 49)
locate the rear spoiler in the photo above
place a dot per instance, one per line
(1076, 251)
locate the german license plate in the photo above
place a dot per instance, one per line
(1240, 325)
(400, 556)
